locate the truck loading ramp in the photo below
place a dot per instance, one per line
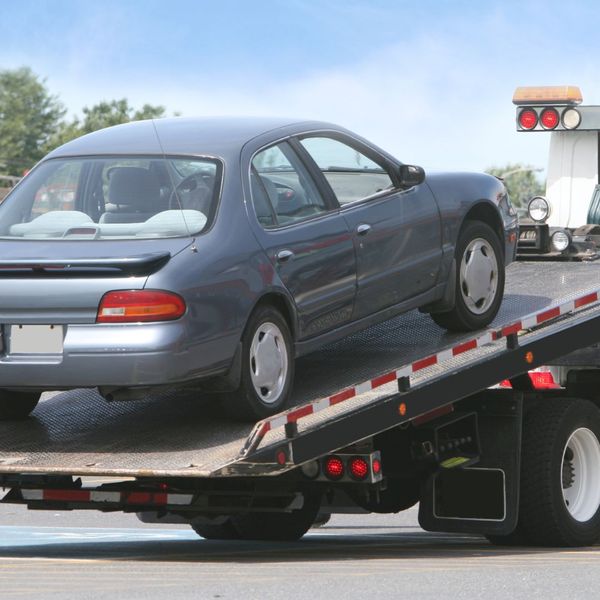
(180, 434)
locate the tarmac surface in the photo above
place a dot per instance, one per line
(89, 555)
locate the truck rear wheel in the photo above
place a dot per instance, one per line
(560, 474)
(280, 527)
(15, 406)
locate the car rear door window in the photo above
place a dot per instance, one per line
(352, 175)
(283, 192)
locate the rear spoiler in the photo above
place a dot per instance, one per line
(141, 264)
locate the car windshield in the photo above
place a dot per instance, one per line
(113, 197)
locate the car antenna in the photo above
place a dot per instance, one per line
(173, 186)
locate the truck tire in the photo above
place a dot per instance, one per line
(479, 285)
(514, 538)
(15, 406)
(220, 531)
(278, 527)
(560, 474)
(267, 367)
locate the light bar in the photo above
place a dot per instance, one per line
(559, 94)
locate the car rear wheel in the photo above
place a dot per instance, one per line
(216, 531)
(479, 282)
(15, 406)
(267, 367)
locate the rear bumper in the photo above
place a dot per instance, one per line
(147, 354)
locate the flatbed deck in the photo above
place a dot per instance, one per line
(182, 435)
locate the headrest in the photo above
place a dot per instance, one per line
(134, 187)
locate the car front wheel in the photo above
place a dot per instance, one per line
(479, 282)
(267, 367)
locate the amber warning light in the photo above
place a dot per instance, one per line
(554, 94)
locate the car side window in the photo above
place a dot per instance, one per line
(283, 192)
(352, 175)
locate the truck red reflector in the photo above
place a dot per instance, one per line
(549, 118)
(333, 467)
(135, 306)
(528, 118)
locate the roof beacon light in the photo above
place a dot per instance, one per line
(559, 94)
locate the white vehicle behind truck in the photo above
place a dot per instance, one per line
(564, 224)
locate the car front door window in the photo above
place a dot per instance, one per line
(352, 175)
(283, 192)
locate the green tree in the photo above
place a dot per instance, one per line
(103, 114)
(521, 182)
(29, 116)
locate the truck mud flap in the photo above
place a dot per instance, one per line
(482, 498)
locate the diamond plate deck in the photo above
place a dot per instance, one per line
(181, 434)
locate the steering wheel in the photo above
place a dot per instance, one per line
(188, 184)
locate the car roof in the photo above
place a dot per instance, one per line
(213, 136)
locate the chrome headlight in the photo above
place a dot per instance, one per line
(538, 209)
(560, 240)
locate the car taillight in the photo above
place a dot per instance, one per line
(549, 118)
(528, 118)
(358, 467)
(134, 306)
(334, 467)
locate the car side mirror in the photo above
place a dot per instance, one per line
(411, 175)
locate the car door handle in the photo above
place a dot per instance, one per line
(284, 255)
(363, 229)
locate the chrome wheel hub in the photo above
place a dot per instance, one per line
(581, 474)
(478, 276)
(268, 362)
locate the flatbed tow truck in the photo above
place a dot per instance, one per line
(467, 425)
(397, 414)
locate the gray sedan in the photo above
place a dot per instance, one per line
(212, 252)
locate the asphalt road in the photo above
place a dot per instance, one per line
(87, 555)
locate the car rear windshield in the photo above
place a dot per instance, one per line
(113, 197)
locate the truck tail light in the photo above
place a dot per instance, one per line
(334, 467)
(528, 118)
(359, 468)
(135, 306)
(549, 118)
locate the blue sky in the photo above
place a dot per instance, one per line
(430, 81)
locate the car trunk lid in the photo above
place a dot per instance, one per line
(63, 282)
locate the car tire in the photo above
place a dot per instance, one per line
(15, 406)
(220, 531)
(278, 526)
(479, 285)
(267, 370)
(560, 474)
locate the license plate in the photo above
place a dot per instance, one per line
(36, 339)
